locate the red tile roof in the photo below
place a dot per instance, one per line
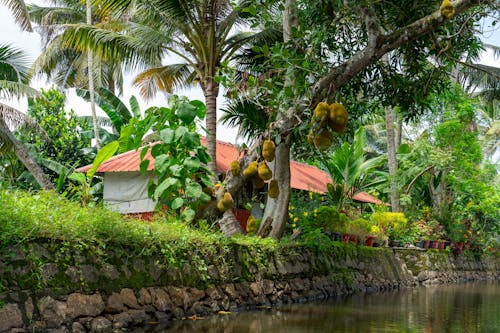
(303, 177)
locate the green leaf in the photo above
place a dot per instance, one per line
(167, 135)
(144, 151)
(201, 109)
(165, 185)
(188, 214)
(161, 163)
(205, 180)
(104, 154)
(192, 163)
(156, 150)
(191, 140)
(177, 203)
(202, 155)
(144, 166)
(179, 132)
(186, 112)
(404, 149)
(176, 170)
(193, 190)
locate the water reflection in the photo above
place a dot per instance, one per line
(457, 308)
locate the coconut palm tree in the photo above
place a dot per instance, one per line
(13, 79)
(201, 33)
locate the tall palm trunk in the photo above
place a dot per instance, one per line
(211, 92)
(22, 154)
(392, 137)
(90, 64)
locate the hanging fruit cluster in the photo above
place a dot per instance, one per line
(226, 202)
(325, 119)
(259, 171)
(447, 9)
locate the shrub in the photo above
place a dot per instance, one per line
(359, 227)
(392, 224)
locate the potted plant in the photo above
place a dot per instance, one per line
(392, 224)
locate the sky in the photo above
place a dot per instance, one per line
(30, 43)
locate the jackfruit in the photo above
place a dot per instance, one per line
(321, 112)
(251, 169)
(447, 9)
(235, 168)
(323, 139)
(274, 190)
(264, 172)
(337, 117)
(251, 224)
(268, 150)
(258, 183)
(226, 202)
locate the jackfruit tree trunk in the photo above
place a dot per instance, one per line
(277, 209)
(211, 91)
(391, 157)
(23, 155)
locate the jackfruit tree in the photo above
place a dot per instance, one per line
(328, 47)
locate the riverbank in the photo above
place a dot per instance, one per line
(58, 286)
(64, 268)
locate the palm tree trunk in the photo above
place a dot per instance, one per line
(391, 157)
(22, 154)
(277, 209)
(90, 65)
(211, 92)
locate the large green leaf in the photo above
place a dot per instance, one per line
(188, 214)
(193, 190)
(165, 185)
(104, 154)
(177, 203)
(186, 112)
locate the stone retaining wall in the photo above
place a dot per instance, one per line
(53, 287)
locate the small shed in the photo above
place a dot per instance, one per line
(126, 189)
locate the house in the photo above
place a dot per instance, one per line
(126, 189)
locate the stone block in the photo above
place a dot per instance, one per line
(52, 311)
(10, 317)
(80, 305)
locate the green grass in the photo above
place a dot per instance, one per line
(25, 217)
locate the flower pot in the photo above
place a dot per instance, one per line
(369, 241)
(434, 244)
(345, 238)
(354, 239)
(441, 245)
(459, 245)
(420, 244)
(427, 244)
(394, 243)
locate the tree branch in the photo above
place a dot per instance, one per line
(340, 75)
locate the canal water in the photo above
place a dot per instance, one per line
(471, 307)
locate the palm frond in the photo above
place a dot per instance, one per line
(166, 78)
(14, 118)
(9, 89)
(18, 9)
(101, 121)
(13, 64)
(250, 119)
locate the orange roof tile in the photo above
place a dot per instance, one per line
(303, 176)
